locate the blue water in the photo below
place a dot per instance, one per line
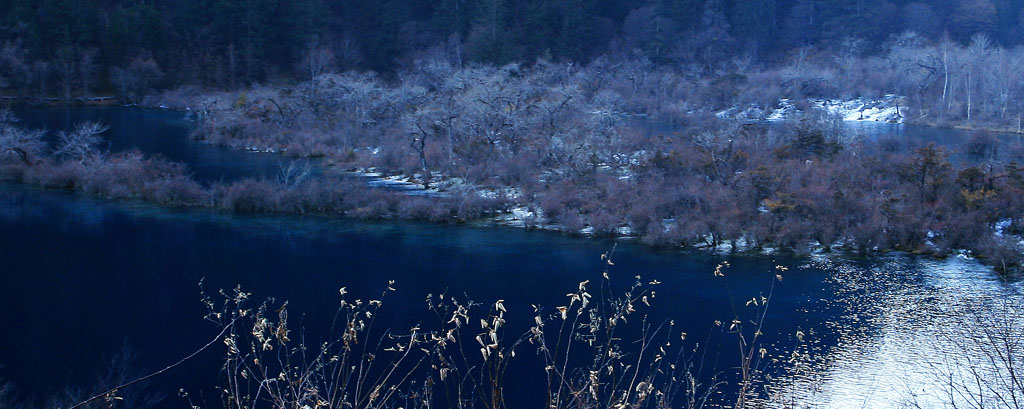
(81, 276)
(157, 132)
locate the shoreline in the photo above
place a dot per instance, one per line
(510, 220)
(969, 128)
(56, 102)
(487, 205)
(112, 101)
(498, 221)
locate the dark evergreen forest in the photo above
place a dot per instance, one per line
(60, 47)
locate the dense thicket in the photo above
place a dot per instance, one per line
(75, 162)
(61, 47)
(566, 145)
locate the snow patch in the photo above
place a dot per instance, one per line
(526, 217)
(256, 149)
(862, 109)
(1002, 225)
(751, 112)
(405, 184)
(885, 109)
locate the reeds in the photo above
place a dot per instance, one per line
(603, 348)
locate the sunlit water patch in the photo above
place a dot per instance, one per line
(914, 333)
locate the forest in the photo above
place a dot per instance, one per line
(56, 47)
(951, 63)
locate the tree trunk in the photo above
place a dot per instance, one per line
(22, 155)
(945, 73)
(968, 87)
(951, 95)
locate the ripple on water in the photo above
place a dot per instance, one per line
(913, 333)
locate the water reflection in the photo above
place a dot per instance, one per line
(159, 132)
(964, 146)
(914, 330)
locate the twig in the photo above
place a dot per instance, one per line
(169, 367)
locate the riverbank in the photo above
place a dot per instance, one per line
(705, 185)
(969, 127)
(889, 109)
(791, 188)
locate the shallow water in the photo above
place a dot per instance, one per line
(81, 276)
(964, 147)
(158, 132)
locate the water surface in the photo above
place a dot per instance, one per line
(79, 277)
(157, 132)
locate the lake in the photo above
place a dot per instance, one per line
(158, 132)
(80, 277)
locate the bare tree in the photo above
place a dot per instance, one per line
(294, 173)
(712, 40)
(1004, 71)
(82, 143)
(848, 52)
(423, 125)
(24, 145)
(917, 67)
(66, 70)
(977, 56)
(146, 72)
(40, 76)
(138, 77)
(945, 46)
(14, 67)
(124, 80)
(349, 53)
(317, 60)
(984, 363)
(87, 70)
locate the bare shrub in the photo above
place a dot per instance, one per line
(247, 195)
(986, 346)
(17, 143)
(81, 144)
(295, 173)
